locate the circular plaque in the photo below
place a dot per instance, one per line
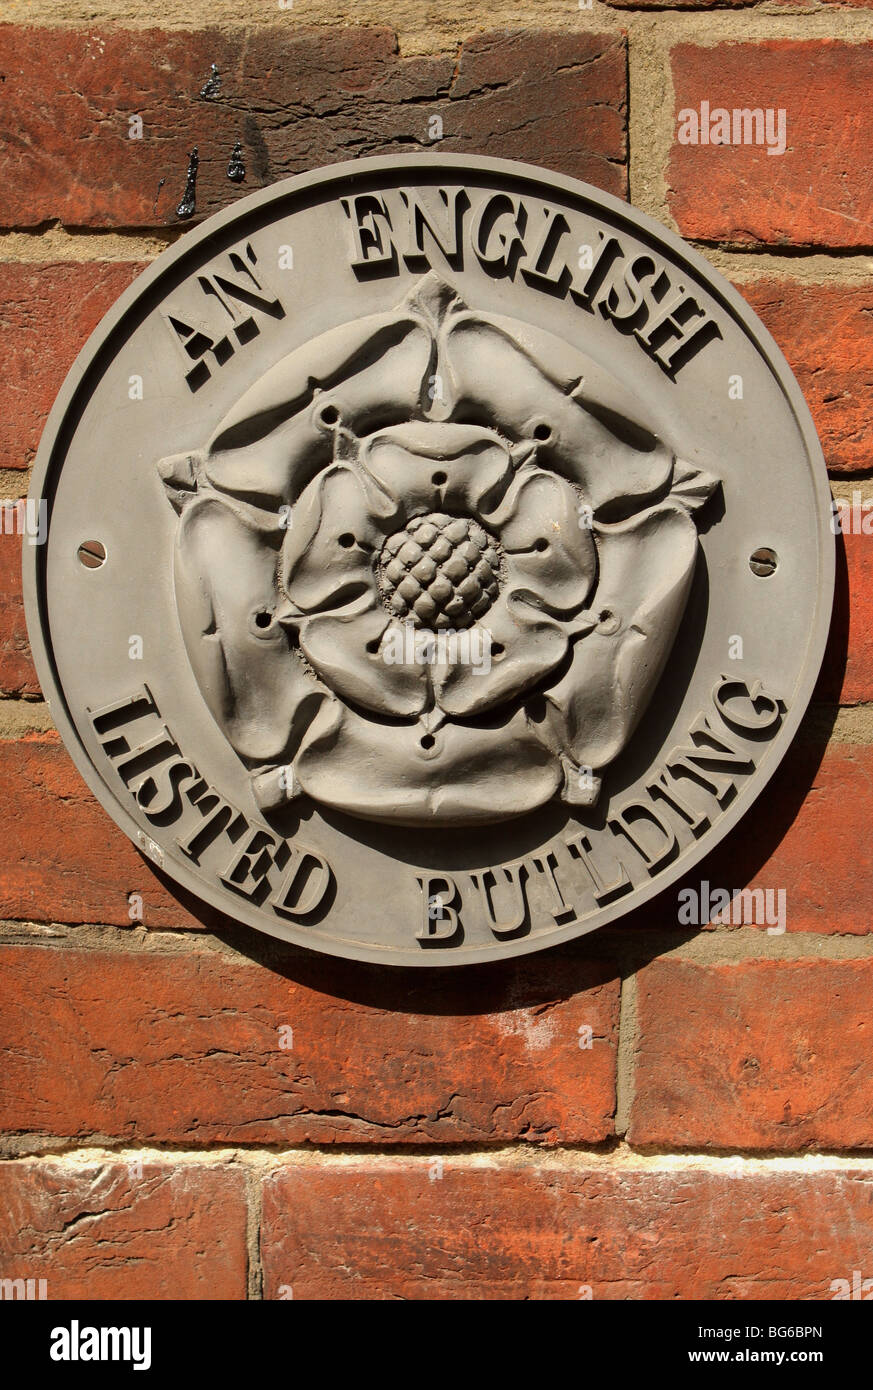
(438, 563)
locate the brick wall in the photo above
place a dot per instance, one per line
(445, 1136)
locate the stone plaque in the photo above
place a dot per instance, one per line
(439, 560)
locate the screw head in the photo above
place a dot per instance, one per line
(763, 561)
(92, 554)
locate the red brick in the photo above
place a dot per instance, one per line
(186, 1048)
(483, 1231)
(820, 191)
(47, 312)
(17, 676)
(847, 670)
(296, 99)
(64, 860)
(805, 833)
(101, 1231)
(826, 332)
(754, 1055)
(808, 833)
(558, 100)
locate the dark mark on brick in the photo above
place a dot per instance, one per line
(189, 197)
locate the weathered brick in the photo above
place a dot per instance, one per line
(495, 1231)
(294, 100)
(64, 860)
(47, 312)
(188, 1048)
(806, 833)
(820, 191)
(847, 669)
(17, 676)
(754, 1055)
(105, 1231)
(824, 329)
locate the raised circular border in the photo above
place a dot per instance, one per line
(348, 172)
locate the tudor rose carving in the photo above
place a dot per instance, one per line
(438, 470)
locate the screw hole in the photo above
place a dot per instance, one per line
(607, 623)
(263, 619)
(328, 415)
(438, 479)
(347, 540)
(497, 649)
(763, 561)
(92, 554)
(427, 741)
(542, 431)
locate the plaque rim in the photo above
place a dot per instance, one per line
(346, 173)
